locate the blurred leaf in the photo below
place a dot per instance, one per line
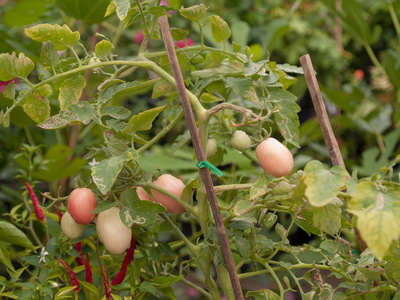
(194, 13)
(105, 173)
(71, 91)
(220, 29)
(103, 48)
(143, 121)
(88, 11)
(12, 66)
(104, 205)
(62, 37)
(323, 185)
(390, 63)
(91, 289)
(225, 69)
(5, 258)
(122, 8)
(263, 295)
(240, 32)
(54, 228)
(49, 55)
(180, 141)
(243, 245)
(11, 234)
(179, 34)
(25, 12)
(377, 209)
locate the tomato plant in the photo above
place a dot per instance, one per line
(96, 101)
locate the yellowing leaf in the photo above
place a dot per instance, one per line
(12, 66)
(36, 104)
(378, 216)
(220, 29)
(323, 185)
(70, 91)
(62, 37)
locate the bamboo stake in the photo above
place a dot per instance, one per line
(329, 136)
(169, 45)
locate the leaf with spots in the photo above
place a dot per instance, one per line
(36, 105)
(70, 91)
(12, 66)
(378, 215)
(327, 218)
(106, 172)
(243, 87)
(286, 117)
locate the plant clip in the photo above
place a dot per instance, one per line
(206, 164)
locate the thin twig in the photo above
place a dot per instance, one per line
(169, 45)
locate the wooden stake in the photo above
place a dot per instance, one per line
(180, 85)
(329, 137)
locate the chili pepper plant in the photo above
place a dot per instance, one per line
(121, 114)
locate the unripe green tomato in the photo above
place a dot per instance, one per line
(274, 157)
(80, 204)
(70, 228)
(114, 235)
(93, 61)
(172, 185)
(240, 140)
(211, 147)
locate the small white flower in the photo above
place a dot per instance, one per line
(42, 255)
(93, 163)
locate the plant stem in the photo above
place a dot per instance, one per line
(197, 288)
(230, 187)
(394, 18)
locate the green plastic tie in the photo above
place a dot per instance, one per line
(206, 164)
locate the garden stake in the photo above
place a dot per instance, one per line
(323, 119)
(180, 85)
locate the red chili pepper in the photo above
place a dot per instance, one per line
(59, 213)
(107, 287)
(35, 201)
(79, 260)
(127, 260)
(89, 277)
(72, 275)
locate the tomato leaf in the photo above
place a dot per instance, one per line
(194, 13)
(103, 48)
(105, 173)
(12, 66)
(136, 211)
(5, 258)
(220, 29)
(36, 105)
(49, 55)
(327, 218)
(11, 234)
(243, 87)
(263, 295)
(143, 121)
(104, 205)
(377, 209)
(62, 37)
(323, 185)
(122, 8)
(70, 91)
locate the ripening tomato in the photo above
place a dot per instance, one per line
(240, 140)
(274, 157)
(80, 204)
(70, 228)
(114, 235)
(172, 185)
(142, 194)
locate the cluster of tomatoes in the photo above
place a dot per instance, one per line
(272, 155)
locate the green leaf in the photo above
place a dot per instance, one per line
(209, 98)
(148, 287)
(88, 11)
(49, 55)
(11, 234)
(306, 220)
(105, 173)
(377, 209)
(5, 258)
(71, 91)
(243, 245)
(220, 29)
(104, 205)
(116, 146)
(286, 118)
(9, 91)
(136, 211)
(91, 289)
(163, 282)
(25, 12)
(36, 105)
(103, 48)
(263, 295)
(122, 8)
(143, 121)
(12, 66)
(323, 185)
(125, 90)
(194, 13)
(243, 87)
(117, 112)
(179, 34)
(225, 69)
(328, 218)
(62, 37)
(54, 228)
(180, 141)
